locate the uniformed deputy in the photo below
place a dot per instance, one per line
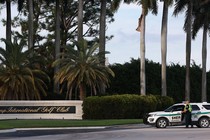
(187, 111)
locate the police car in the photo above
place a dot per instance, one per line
(173, 116)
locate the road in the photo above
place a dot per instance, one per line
(134, 133)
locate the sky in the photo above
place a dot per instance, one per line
(126, 42)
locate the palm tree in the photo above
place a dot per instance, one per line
(102, 35)
(80, 20)
(30, 24)
(164, 28)
(81, 68)
(202, 20)
(19, 78)
(179, 7)
(146, 6)
(57, 40)
(9, 21)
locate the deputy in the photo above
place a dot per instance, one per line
(188, 115)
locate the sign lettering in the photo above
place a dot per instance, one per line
(37, 109)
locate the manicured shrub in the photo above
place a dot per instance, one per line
(126, 106)
(163, 102)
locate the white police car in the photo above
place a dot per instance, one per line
(173, 116)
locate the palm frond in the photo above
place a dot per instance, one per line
(81, 66)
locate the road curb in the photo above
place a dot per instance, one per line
(48, 128)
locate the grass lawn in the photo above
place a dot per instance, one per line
(9, 124)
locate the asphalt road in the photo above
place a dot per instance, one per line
(129, 132)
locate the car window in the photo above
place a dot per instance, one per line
(178, 108)
(169, 109)
(206, 107)
(195, 107)
(175, 108)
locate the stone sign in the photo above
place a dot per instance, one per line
(41, 109)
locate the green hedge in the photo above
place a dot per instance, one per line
(163, 102)
(125, 106)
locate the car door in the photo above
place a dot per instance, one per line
(195, 112)
(176, 114)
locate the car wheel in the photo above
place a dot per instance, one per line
(161, 123)
(204, 122)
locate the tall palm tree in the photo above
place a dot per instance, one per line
(9, 21)
(19, 79)
(102, 35)
(57, 40)
(180, 6)
(164, 28)
(146, 6)
(30, 24)
(202, 20)
(102, 27)
(80, 20)
(81, 68)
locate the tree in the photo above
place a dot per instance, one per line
(102, 35)
(179, 7)
(146, 6)
(20, 78)
(202, 20)
(166, 4)
(8, 21)
(44, 21)
(80, 20)
(80, 68)
(57, 40)
(30, 24)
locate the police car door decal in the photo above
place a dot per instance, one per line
(176, 117)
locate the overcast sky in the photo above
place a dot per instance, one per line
(126, 42)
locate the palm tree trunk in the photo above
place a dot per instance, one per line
(164, 47)
(142, 54)
(80, 20)
(30, 24)
(204, 56)
(8, 24)
(57, 41)
(102, 37)
(82, 91)
(102, 29)
(188, 52)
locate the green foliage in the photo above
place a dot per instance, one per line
(163, 102)
(20, 77)
(127, 106)
(44, 21)
(127, 78)
(81, 68)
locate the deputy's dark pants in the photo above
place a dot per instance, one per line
(188, 120)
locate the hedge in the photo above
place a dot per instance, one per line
(125, 106)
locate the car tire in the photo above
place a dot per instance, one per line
(204, 122)
(161, 123)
